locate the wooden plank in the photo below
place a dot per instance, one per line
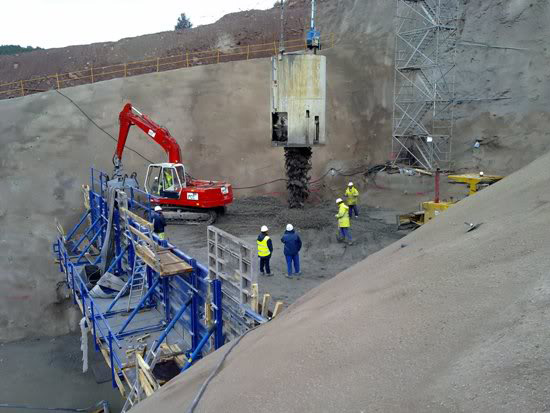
(126, 378)
(278, 308)
(254, 297)
(141, 221)
(107, 358)
(265, 304)
(145, 384)
(60, 229)
(144, 237)
(171, 264)
(143, 337)
(148, 256)
(88, 256)
(174, 349)
(143, 366)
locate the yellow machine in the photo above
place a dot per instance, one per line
(430, 209)
(475, 181)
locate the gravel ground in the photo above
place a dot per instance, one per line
(444, 320)
(322, 257)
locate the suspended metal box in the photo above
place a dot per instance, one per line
(298, 100)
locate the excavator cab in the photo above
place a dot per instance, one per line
(165, 180)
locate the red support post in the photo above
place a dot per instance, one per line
(437, 173)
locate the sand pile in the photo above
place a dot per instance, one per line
(442, 320)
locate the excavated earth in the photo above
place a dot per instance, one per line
(322, 256)
(442, 320)
(445, 320)
(251, 27)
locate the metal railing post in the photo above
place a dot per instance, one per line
(194, 307)
(112, 360)
(73, 287)
(197, 351)
(219, 339)
(96, 346)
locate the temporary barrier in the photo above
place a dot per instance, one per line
(187, 59)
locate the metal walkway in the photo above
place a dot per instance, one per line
(179, 316)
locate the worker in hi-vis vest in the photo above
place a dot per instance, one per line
(168, 180)
(159, 223)
(265, 248)
(352, 195)
(343, 220)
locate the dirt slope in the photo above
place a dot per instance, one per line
(442, 320)
(232, 30)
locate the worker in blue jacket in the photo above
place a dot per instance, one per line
(293, 245)
(159, 223)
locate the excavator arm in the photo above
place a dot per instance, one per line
(131, 116)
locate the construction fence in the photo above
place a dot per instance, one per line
(159, 64)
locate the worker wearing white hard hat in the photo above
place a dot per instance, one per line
(352, 196)
(293, 244)
(159, 222)
(343, 220)
(265, 249)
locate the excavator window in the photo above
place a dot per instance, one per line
(153, 181)
(181, 175)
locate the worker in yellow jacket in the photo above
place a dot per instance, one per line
(265, 249)
(352, 195)
(343, 220)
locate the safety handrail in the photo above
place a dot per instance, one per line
(184, 60)
(77, 283)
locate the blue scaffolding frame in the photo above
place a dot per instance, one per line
(178, 306)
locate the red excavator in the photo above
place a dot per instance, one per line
(183, 198)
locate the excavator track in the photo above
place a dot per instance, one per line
(189, 216)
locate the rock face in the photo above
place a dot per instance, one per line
(297, 166)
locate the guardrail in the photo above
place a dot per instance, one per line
(159, 64)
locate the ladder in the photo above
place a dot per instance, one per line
(137, 282)
(138, 278)
(137, 392)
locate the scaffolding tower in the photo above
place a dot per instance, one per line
(424, 89)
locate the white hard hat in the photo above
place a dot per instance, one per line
(481, 173)
(350, 184)
(289, 227)
(158, 208)
(339, 200)
(264, 228)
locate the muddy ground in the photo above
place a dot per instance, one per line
(48, 373)
(52, 374)
(322, 257)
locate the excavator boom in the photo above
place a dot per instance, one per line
(131, 116)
